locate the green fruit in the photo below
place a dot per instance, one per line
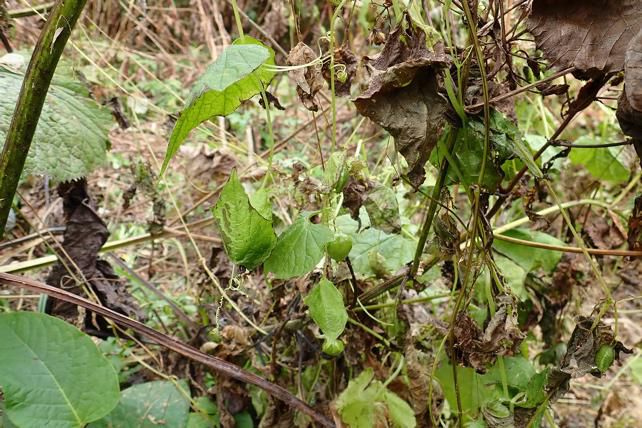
(333, 347)
(604, 358)
(340, 247)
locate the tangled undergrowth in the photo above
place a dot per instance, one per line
(404, 214)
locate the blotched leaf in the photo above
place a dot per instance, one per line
(247, 233)
(239, 73)
(603, 164)
(383, 209)
(327, 308)
(52, 374)
(71, 136)
(150, 405)
(374, 248)
(513, 275)
(299, 248)
(530, 258)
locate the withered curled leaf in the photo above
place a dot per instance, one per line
(402, 96)
(479, 349)
(591, 35)
(635, 226)
(308, 80)
(633, 72)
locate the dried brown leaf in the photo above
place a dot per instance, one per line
(591, 35)
(84, 236)
(635, 226)
(633, 72)
(402, 96)
(501, 336)
(308, 80)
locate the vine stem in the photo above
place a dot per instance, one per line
(333, 100)
(35, 86)
(169, 342)
(434, 203)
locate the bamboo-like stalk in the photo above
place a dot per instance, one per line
(35, 86)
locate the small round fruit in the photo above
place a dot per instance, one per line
(340, 247)
(604, 358)
(333, 347)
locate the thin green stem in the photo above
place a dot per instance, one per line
(237, 18)
(434, 203)
(333, 99)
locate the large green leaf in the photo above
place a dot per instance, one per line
(150, 405)
(52, 374)
(327, 308)
(71, 137)
(473, 392)
(530, 258)
(376, 252)
(298, 249)
(247, 233)
(240, 72)
(603, 164)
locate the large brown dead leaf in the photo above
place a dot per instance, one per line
(591, 35)
(402, 96)
(84, 236)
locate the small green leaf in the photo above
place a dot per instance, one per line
(247, 235)
(150, 405)
(535, 390)
(394, 251)
(364, 402)
(603, 164)
(401, 414)
(298, 249)
(239, 73)
(52, 374)
(207, 415)
(327, 308)
(357, 404)
(604, 358)
(71, 136)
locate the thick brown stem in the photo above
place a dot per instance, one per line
(215, 363)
